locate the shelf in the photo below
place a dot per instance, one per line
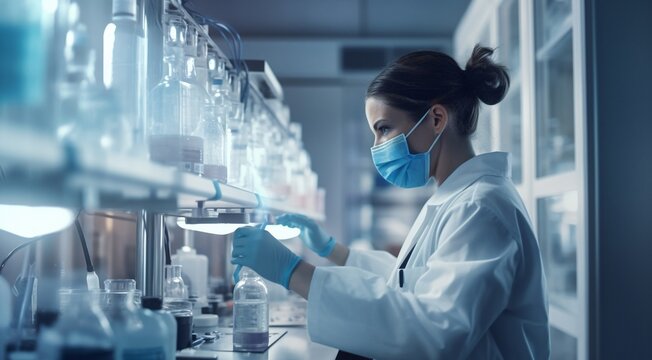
(41, 171)
(264, 72)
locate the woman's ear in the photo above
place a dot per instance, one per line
(440, 116)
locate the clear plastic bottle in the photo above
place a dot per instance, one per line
(82, 331)
(125, 61)
(174, 109)
(250, 313)
(139, 333)
(241, 156)
(155, 304)
(174, 287)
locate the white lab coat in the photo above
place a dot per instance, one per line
(473, 286)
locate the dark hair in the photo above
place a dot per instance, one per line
(416, 80)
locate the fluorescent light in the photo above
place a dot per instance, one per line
(33, 221)
(278, 231)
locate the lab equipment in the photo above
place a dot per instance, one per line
(125, 64)
(214, 125)
(174, 110)
(259, 250)
(205, 323)
(314, 236)
(250, 313)
(465, 246)
(195, 267)
(124, 285)
(182, 312)
(174, 287)
(398, 166)
(82, 331)
(85, 111)
(139, 333)
(155, 305)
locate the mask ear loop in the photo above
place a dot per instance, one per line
(418, 123)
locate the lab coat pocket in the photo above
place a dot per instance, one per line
(408, 277)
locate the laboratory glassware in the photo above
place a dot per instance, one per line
(250, 313)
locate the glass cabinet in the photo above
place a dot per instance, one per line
(541, 124)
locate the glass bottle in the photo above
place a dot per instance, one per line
(82, 331)
(125, 64)
(124, 285)
(139, 333)
(182, 312)
(241, 157)
(174, 287)
(174, 110)
(250, 313)
(214, 125)
(86, 112)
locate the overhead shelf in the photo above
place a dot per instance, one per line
(39, 170)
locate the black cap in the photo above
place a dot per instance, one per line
(152, 303)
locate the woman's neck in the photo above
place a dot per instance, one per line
(454, 153)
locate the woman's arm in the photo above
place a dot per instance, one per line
(339, 255)
(302, 277)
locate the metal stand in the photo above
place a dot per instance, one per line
(150, 249)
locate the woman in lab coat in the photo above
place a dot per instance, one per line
(468, 281)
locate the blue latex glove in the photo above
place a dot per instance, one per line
(312, 234)
(260, 251)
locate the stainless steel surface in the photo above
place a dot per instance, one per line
(149, 271)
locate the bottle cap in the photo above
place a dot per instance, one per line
(124, 8)
(152, 303)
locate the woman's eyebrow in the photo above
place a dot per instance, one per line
(378, 122)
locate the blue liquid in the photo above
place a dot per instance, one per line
(22, 65)
(250, 341)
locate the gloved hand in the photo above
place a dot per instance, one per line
(312, 234)
(260, 251)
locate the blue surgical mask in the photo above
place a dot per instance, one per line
(398, 166)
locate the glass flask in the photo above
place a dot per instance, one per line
(139, 333)
(174, 287)
(250, 313)
(82, 331)
(174, 109)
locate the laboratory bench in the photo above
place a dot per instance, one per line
(295, 344)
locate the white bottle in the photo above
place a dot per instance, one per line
(139, 333)
(155, 305)
(195, 267)
(250, 313)
(125, 61)
(5, 314)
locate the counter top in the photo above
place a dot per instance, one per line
(294, 345)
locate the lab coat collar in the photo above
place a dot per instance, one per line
(488, 164)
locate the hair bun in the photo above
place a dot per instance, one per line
(486, 79)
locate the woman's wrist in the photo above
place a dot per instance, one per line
(301, 278)
(339, 255)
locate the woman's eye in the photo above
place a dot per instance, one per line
(384, 130)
